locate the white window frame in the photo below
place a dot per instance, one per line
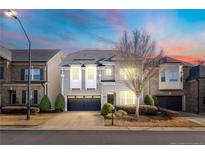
(75, 84)
(32, 74)
(90, 84)
(174, 74)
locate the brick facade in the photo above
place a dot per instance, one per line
(12, 79)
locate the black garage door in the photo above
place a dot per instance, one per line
(170, 102)
(84, 103)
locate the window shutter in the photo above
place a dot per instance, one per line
(1, 72)
(24, 97)
(41, 74)
(22, 74)
(35, 96)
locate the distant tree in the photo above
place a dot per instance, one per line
(200, 62)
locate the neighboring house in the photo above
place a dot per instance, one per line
(45, 75)
(91, 78)
(195, 90)
(175, 85)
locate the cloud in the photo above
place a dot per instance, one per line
(191, 59)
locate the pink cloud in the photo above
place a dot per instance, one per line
(191, 59)
(181, 48)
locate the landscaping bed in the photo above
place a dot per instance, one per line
(20, 120)
(150, 121)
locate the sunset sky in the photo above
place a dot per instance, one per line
(181, 33)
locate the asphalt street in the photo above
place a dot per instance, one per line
(98, 137)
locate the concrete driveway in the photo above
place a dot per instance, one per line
(74, 121)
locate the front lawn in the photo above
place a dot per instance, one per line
(151, 121)
(20, 120)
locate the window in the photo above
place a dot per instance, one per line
(173, 76)
(34, 96)
(123, 75)
(108, 72)
(1, 72)
(75, 73)
(163, 78)
(90, 74)
(35, 74)
(127, 98)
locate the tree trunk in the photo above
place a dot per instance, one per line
(137, 105)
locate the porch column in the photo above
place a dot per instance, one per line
(62, 82)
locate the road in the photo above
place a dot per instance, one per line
(42, 137)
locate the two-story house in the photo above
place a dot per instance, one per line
(45, 75)
(91, 78)
(173, 82)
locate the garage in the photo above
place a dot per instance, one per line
(170, 102)
(84, 103)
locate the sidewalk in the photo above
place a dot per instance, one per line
(197, 118)
(113, 128)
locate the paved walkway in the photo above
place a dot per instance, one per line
(197, 118)
(74, 121)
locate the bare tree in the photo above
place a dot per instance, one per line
(135, 53)
(200, 62)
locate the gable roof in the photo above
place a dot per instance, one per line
(197, 72)
(88, 57)
(5, 53)
(36, 54)
(167, 59)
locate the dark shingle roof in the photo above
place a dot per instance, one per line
(167, 59)
(197, 72)
(87, 57)
(36, 54)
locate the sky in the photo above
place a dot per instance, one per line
(180, 33)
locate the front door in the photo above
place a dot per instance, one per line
(111, 98)
(12, 97)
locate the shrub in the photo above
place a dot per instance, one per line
(169, 113)
(143, 109)
(148, 100)
(130, 109)
(107, 108)
(156, 103)
(120, 113)
(59, 103)
(21, 109)
(45, 104)
(109, 116)
(148, 110)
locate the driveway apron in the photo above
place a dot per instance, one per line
(74, 121)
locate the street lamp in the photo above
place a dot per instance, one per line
(13, 14)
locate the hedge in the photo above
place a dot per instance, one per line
(143, 109)
(10, 109)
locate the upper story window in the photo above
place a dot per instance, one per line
(90, 73)
(35, 74)
(173, 76)
(1, 72)
(162, 74)
(108, 72)
(75, 73)
(123, 75)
